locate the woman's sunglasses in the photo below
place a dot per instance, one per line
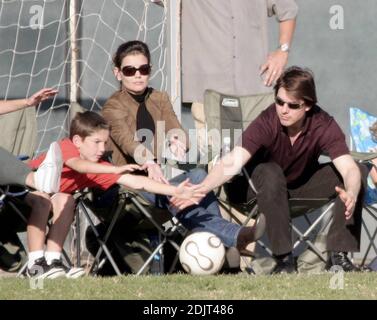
(129, 71)
(290, 105)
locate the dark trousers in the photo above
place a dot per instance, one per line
(273, 194)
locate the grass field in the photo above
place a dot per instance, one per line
(179, 286)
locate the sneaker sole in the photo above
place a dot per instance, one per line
(51, 274)
(75, 273)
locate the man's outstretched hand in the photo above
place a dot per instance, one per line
(348, 199)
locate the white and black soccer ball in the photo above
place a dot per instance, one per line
(202, 253)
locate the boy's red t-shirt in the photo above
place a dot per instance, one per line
(72, 180)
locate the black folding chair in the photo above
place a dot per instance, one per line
(166, 230)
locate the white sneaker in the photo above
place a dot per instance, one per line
(75, 272)
(71, 273)
(41, 270)
(47, 177)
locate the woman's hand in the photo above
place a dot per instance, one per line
(177, 148)
(155, 172)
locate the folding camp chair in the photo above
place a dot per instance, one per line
(11, 224)
(14, 199)
(231, 115)
(122, 201)
(365, 150)
(167, 234)
(83, 207)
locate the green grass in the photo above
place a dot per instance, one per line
(179, 286)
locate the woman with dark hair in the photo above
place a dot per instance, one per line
(137, 110)
(140, 117)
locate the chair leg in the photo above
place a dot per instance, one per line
(305, 236)
(164, 237)
(22, 270)
(108, 233)
(373, 213)
(155, 251)
(102, 243)
(78, 239)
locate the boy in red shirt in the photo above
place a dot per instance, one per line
(83, 167)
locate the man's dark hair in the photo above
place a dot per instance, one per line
(299, 83)
(86, 123)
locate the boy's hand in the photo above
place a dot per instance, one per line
(126, 168)
(40, 96)
(187, 192)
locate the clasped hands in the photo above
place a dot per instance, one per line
(186, 194)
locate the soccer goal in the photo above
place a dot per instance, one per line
(68, 45)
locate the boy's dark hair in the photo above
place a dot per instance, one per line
(131, 47)
(299, 83)
(86, 123)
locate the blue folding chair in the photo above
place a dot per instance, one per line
(365, 149)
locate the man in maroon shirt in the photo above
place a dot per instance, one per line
(284, 143)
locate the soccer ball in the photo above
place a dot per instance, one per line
(202, 253)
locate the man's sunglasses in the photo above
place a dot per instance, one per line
(129, 71)
(290, 105)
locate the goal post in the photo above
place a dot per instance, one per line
(68, 45)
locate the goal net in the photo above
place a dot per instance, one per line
(68, 45)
